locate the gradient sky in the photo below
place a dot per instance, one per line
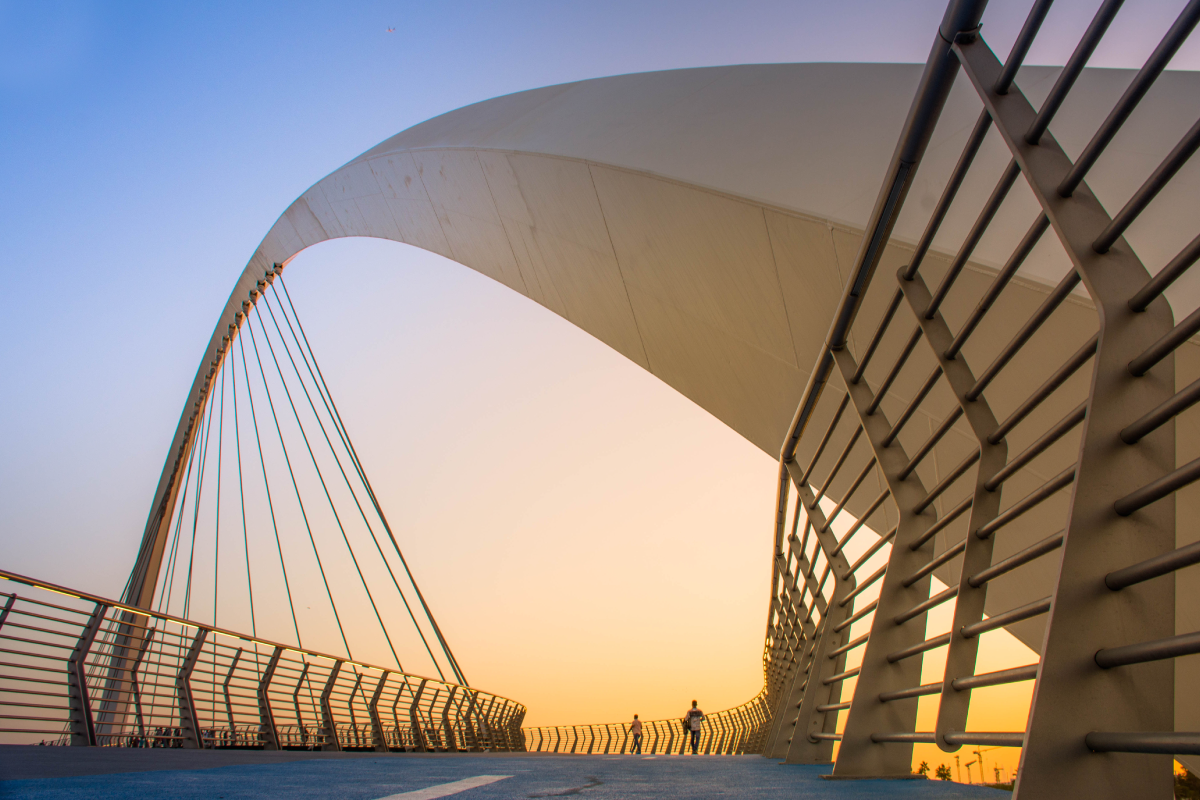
(593, 544)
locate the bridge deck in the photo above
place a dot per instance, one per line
(33, 772)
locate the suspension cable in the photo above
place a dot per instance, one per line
(237, 440)
(324, 487)
(217, 513)
(296, 488)
(202, 465)
(370, 490)
(270, 503)
(349, 486)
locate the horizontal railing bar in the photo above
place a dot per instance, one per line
(1007, 179)
(862, 587)
(1026, 611)
(916, 691)
(1061, 429)
(921, 608)
(26, 599)
(916, 737)
(1031, 326)
(837, 416)
(1038, 496)
(947, 555)
(842, 676)
(58, 731)
(884, 322)
(1184, 644)
(27, 666)
(965, 159)
(26, 679)
(997, 678)
(1164, 743)
(1133, 95)
(862, 476)
(16, 612)
(829, 737)
(30, 691)
(1060, 376)
(938, 526)
(920, 647)
(873, 406)
(1020, 48)
(1182, 401)
(1157, 490)
(913, 404)
(39, 643)
(848, 646)
(1032, 237)
(1166, 276)
(1166, 345)
(1161, 176)
(1185, 556)
(931, 442)
(871, 509)
(996, 739)
(1050, 543)
(856, 616)
(872, 550)
(11, 703)
(837, 467)
(826, 708)
(947, 481)
(1075, 64)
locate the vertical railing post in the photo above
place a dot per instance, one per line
(377, 732)
(83, 729)
(414, 717)
(860, 755)
(135, 683)
(803, 748)
(268, 733)
(189, 723)
(1073, 695)
(296, 702)
(451, 744)
(331, 741)
(228, 700)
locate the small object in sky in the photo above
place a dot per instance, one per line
(391, 30)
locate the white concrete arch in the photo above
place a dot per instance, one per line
(701, 222)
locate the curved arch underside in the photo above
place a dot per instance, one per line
(702, 222)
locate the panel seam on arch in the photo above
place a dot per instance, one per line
(511, 250)
(782, 295)
(617, 260)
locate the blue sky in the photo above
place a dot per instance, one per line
(149, 146)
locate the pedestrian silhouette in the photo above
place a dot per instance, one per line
(635, 728)
(693, 722)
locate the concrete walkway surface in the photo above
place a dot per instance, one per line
(61, 773)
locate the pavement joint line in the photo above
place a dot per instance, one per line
(446, 789)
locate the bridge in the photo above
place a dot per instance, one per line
(978, 355)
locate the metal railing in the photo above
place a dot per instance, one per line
(1045, 445)
(734, 731)
(84, 670)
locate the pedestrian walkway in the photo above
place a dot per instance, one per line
(60, 773)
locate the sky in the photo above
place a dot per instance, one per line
(592, 543)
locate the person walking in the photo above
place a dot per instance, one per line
(693, 722)
(635, 728)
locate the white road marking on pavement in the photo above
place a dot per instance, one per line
(447, 789)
